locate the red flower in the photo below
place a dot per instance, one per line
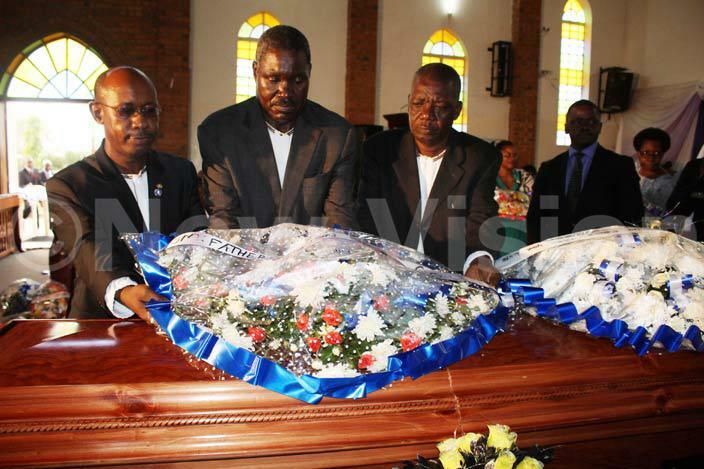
(313, 344)
(365, 361)
(381, 303)
(267, 300)
(179, 282)
(302, 322)
(256, 333)
(333, 338)
(460, 300)
(331, 316)
(409, 341)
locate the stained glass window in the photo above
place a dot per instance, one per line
(443, 46)
(572, 60)
(57, 67)
(250, 31)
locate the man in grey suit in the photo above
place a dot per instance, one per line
(278, 157)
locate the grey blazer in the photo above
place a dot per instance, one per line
(242, 187)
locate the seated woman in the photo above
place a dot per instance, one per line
(513, 189)
(656, 180)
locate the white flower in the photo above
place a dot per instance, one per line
(235, 304)
(336, 351)
(423, 325)
(274, 344)
(583, 284)
(649, 311)
(233, 336)
(381, 276)
(458, 318)
(446, 332)
(198, 255)
(293, 348)
(339, 370)
(308, 294)
(478, 302)
(441, 306)
(605, 250)
(690, 265)
(678, 323)
(381, 353)
(695, 312)
(369, 326)
(219, 321)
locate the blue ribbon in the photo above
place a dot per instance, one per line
(260, 371)
(616, 330)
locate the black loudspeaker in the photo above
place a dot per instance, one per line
(615, 87)
(501, 69)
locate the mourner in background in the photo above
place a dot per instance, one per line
(278, 157)
(687, 197)
(28, 175)
(46, 173)
(656, 180)
(431, 187)
(124, 187)
(586, 187)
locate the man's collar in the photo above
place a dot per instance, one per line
(588, 152)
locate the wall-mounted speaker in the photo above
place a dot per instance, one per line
(615, 89)
(501, 69)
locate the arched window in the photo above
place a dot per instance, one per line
(250, 31)
(443, 46)
(45, 92)
(574, 75)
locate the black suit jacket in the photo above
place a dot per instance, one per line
(91, 205)
(461, 199)
(28, 177)
(687, 197)
(610, 195)
(242, 187)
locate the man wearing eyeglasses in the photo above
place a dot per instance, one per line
(123, 187)
(586, 187)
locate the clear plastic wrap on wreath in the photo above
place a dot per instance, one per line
(323, 302)
(644, 277)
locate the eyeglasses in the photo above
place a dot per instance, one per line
(125, 111)
(650, 154)
(583, 122)
(509, 155)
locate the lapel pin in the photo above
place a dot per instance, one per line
(158, 190)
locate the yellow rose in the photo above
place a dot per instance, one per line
(500, 437)
(529, 463)
(505, 460)
(464, 443)
(448, 445)
(451, 460)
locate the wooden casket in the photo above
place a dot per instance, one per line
(75, 393)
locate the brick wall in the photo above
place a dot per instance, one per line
(360, 79)
(151, 35)
(523, 113)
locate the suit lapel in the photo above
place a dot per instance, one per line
(305, 139)
(119, 186)
(259, 145)
(449, 175)
(406, 170)
(158, 209)
(594, 175)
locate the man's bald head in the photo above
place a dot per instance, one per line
(120, 76)
(442, 73)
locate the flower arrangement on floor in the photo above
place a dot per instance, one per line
(646, 278)
(320, 302)
(497, 450)
(512, 204)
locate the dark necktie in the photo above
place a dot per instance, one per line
(575, 185)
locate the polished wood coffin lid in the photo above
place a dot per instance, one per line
(109, 392)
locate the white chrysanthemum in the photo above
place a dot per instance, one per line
(678, 323)
(308, 294)
(649, 310)
(441, 306)
(198, 255)
(690, 265)
(369, 326)
(316, 364)
(628, 285)
(423, 325)
(583, 284)
(655, 258)
(478, 302)
(274, 344)
(233, 336)
(446, 332)
(339, 370)
(695, 312)
(458, 318)
(381, 353)
(220, 321)
(235, 305)
(605, 250)
(381, 276)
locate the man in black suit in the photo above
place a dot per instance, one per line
(431, 187)
(124, 187)
(586, 187)
(278, 157)
(687, 197)
(28, 175)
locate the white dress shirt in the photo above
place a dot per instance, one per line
(428, 167)
(281, 142)
(139, 186)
